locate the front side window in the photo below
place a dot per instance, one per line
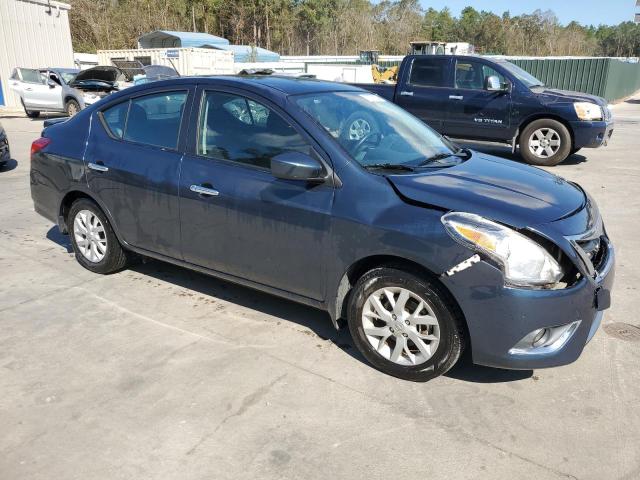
(374, 131)
(473, 75)
(238, 129)
(429, 72)
(155, 119)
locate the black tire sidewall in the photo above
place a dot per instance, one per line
(111, 261)
(450, 345)
(561, 155)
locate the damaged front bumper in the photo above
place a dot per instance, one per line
(503, 321)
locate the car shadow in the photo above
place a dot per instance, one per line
(56, 237)
(315, 321)
(504, 151)
(9, 165)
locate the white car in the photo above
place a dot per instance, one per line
(46, 90)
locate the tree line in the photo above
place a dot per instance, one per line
(343, 27)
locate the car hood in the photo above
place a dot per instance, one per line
(502, 190)
(552, 95)
(103, 74)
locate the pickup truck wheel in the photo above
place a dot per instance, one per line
(545, 143)
(95, 244)
(405, 325)
(72, 107)
(359, 125)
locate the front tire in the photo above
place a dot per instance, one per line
(72, 107)
(545, 143)
(94, 242)
(405, 325)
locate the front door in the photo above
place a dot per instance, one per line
(425, 90)
(236, 217)
(473, 111)
(133, 166)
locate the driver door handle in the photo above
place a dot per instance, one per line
(205, 191)
(97, 167)
(405, 93)
(456, 97)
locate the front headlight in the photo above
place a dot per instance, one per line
(525, 262)
(588, 111)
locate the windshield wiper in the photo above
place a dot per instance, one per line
(462, 152)
(389, 166)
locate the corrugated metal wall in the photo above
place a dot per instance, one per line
(32, 37)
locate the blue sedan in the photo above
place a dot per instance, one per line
(423, 248)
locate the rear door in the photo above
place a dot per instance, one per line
(248, 223)
(425, 88)
(475, 112)
(133, 166)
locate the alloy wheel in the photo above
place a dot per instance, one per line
(545, 142)
(400, 326)
(359, 129)
(90, 236)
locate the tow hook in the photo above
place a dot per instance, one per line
(468, 263)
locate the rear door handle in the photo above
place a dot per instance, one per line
(456, 97)
(29, 89)
(404, 93)
(206, 191)
(97, 167)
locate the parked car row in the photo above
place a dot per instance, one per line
(334, 197)
(66, 90)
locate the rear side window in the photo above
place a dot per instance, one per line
(429, 72)
(116, 117)
(155, 119)
(238, 129)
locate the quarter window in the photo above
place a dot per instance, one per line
(115, 117)
(235, 128)
(429, 72)
(155, 119)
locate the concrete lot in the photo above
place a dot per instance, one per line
(162, 373)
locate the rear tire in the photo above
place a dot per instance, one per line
(545, 143)
(94, 242)
(389, 334)
(72, 107)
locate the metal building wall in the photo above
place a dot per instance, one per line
(32, 34)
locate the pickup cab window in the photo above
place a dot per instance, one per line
(472, 75)
(241, 130)
(429, 72)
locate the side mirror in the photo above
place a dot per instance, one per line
(297, 166)
(51, 84)
(493, 84)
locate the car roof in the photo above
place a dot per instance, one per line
(62, 70)
(266, 84)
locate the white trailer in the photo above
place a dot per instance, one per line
(187, 61)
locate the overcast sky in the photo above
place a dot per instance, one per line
(587, 12)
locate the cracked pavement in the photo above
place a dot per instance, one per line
(161, 373)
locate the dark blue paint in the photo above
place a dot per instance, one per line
(514, 108)
(299, 239)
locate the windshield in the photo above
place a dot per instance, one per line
(522, 75)
(376, 132)
(68, 76)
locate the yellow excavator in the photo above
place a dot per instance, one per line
(380, 74)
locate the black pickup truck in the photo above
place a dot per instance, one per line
(478, 98)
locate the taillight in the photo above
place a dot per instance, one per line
(39, 144)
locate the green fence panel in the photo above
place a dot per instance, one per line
(610, 78)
